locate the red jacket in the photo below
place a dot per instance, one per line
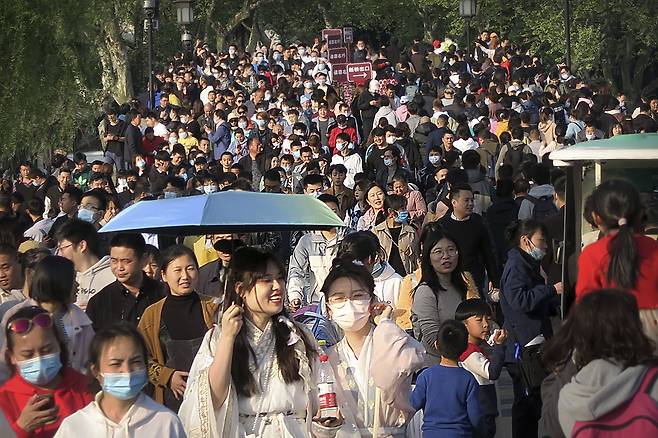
(71, 395)
(333, 134)
(150, 146)
(593, 269)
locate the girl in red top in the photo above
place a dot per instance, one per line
(40, 392)
(621, 258)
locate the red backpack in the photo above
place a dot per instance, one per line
(637, 418)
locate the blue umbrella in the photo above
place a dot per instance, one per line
(225, 212)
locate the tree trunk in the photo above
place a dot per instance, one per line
(328, 22)
(245, 12)
(116, 76)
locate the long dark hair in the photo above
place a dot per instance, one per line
(246, 267)
(605, 324)
(428, 275)
(618, 205)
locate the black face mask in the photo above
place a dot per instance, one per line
(228, 246)
(132, 185)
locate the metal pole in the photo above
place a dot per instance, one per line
(150, 61)
(567, 30)
(468, 35)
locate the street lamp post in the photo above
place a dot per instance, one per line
(467, 10)
(149, 12)
(185, 16)
(567, 31)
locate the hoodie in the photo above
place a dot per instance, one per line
(388, 113)
(91, 281)
(599, 388)
(144, 418)
(387, 285)
(526, 208)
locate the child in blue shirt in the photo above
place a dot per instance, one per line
(484, 365)
(448, 394)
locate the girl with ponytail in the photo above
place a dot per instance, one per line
(622, 258)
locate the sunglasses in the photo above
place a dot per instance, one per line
(24, 325)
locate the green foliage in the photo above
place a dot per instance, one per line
(47, 75)
(51, 83)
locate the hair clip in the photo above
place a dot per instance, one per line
(622, 221)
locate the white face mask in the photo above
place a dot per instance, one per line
(437, 51)
(340, 146)
(182, 135)
(351, 316)
(173, 140)
(590, 136)
(390, 139)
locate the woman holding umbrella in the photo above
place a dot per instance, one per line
(253, 373)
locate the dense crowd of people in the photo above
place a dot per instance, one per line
(447, 272)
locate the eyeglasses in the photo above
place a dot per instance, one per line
(451, 252)
(339, 300)
(60, 248)
(24, 325)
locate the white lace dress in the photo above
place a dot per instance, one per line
(279, 410)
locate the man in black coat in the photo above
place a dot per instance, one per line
(255, 161)
(160, 172)
(468, 229)
(133, 137)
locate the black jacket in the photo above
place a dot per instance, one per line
(114, 303)
(499, 215)
(476, 251)
(133, 143)
(212, 279)
(526, 301)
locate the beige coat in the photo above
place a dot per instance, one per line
(407, 244)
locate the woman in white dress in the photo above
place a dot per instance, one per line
(373, 364)
(252, 376)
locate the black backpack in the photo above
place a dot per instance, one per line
(514, 156)
(543, 207)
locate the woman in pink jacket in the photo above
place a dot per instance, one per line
(373, 399)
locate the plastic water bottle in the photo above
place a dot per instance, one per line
(326, 393)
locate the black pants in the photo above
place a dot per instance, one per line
(526, 409)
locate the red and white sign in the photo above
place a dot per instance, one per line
(348, 35)
(338, 55)
(359, 72)
(339, 73)
(333, 37)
